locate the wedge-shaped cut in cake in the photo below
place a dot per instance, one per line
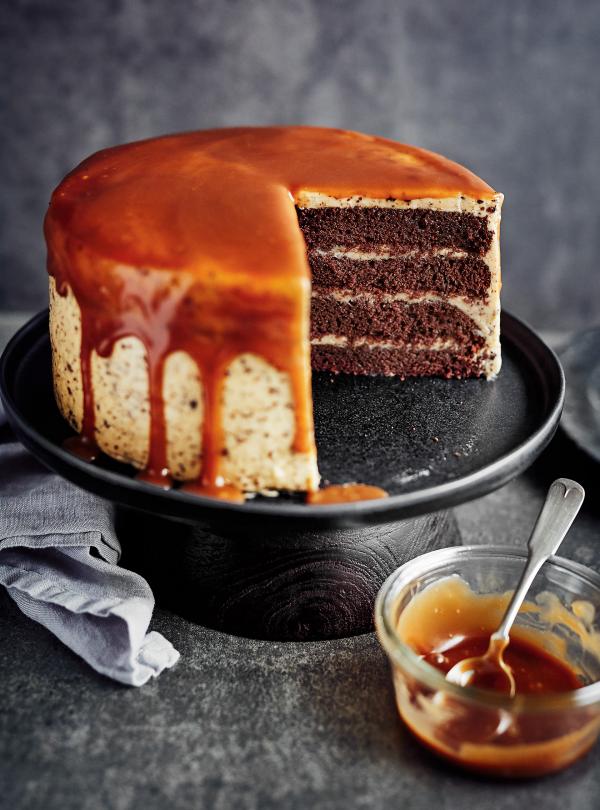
(194, 275)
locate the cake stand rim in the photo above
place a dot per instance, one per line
(212, 512)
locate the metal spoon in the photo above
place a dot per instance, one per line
(563, 501)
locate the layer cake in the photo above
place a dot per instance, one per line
(404, 287)
(195, 277)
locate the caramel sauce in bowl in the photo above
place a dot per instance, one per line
(436, 607)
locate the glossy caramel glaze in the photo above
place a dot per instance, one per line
(449, 622)
(535, 671)
(346, 493)
(216, 207)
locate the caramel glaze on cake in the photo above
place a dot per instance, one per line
(191, 243)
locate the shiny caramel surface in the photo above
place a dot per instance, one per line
(222, 200)
(448, 623)
(535, 671)
(346, 493)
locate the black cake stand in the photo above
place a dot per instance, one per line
(276, 567)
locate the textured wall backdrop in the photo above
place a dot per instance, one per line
(511, 89)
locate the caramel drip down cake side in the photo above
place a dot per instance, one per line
(258, 413)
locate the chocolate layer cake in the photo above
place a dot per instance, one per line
(181, 311)
(404, 287)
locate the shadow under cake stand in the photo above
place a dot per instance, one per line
(277, 568)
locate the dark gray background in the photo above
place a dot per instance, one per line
(511, 89)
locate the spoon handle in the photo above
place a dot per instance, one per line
(562, 504)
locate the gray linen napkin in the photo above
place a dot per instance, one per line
(58, 560)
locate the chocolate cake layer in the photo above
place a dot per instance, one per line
(364, 228)
(378, 318)
(443, 274)
(395, 362)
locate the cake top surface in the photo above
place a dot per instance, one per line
(223, 200)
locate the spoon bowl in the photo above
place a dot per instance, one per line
(488, 671)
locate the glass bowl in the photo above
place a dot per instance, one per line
(527, 735)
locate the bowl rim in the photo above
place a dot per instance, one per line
(403, 655)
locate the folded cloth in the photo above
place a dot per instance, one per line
(58, 560)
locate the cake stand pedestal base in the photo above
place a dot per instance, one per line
(278, 585)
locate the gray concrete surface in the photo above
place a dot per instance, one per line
(251, 724)
(509, 89)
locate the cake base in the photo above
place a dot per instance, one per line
(276, 585)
